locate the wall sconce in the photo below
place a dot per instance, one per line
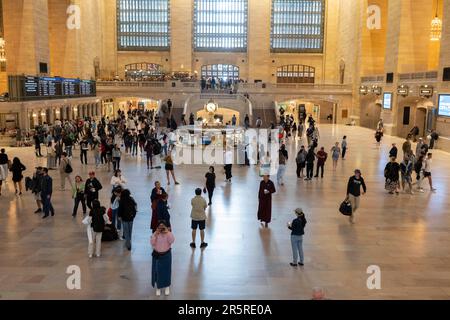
(43, 114)
(426, 91)
(376, 90)
(34, 115)
(363, 90)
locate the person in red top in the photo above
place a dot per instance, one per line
(321, 159)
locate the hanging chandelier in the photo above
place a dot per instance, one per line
(436, 26)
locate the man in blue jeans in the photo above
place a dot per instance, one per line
(298, 230)
(46, 193)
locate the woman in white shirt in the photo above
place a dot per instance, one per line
(118, 180)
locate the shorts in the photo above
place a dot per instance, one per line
(169, 167)
(198, 225)
(426, 174)
(37, 196)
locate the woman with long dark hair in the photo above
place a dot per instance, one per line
(17, 168)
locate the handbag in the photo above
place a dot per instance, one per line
(68, 168)
(346, 208)
(204, 190)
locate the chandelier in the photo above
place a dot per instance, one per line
(436, 26)
(2, 50)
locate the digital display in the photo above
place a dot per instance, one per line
(35, 88)
(444, 105)
(387, 100)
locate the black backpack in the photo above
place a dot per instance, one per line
(418, 166)
(157, 148)
(98, 223)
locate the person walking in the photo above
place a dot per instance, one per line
(84, 147)
(78, 195)
(65, 169)
(116, 155)
(321, 159)
(282, 159)
(198, 216)
(17, 169)
(156, 195)
(378, 136)
(406, 147)
(406, 168)
(115, 201)
(91, 189)
(37, 145)
(391, 173)
(419, 147)
(297, 227)
(335, 154)
(310, 158)
(161, 241)
(266, 189)
(394, 151)
(4, 167)
(98, 220)
(149, 153)
(210, 183)
(46, 193)
(228, 164)
(434, 136)
(36, 188)
(301, 161)
(127, 213)
(354, 185)
(427, 172)
(169, 169)
(344, 147)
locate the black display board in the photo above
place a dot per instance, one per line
(22, 88)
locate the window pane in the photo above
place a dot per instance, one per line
(220, 25)
(143, 24)
(297, 25)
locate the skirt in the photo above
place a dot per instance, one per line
(391, 185)
(162, 270)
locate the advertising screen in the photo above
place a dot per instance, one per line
(387, 100)
(444, 105)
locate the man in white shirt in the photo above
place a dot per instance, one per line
(228, 161)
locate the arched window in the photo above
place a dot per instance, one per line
(295, 73)
(143, 71)
(221, 71)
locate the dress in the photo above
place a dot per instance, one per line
(265, 201)
(155, 197)
(336, 152)
(391, 173)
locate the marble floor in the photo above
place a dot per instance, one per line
(407, 236)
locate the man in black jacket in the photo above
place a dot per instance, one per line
(354, 192)
(46, 193)
(91, 189)
(36, 190)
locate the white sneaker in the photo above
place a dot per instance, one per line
(158, 292)
(97, 255)
(90, 256)
(167, 291)
(420, 190)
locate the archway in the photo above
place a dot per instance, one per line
(413, 111)
(370, 111)
(322, 111)
(222, 116)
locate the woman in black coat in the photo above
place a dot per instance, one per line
(17, 168)
(391, 173)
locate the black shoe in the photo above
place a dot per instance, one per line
(192, 244)
(300, 264)
(293, 264)
(203, 245)
(38, 210)
(129, 248)
(74, 215)
(209, 203)
(46, 216)
(53, 213)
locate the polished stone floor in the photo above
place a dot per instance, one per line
(407, 236)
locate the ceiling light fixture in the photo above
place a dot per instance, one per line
(436, 26)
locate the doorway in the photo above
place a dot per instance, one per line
(421, 121)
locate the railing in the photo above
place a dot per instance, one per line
(427, 75)
(242, 87)
(377, 78)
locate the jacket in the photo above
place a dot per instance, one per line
(298, 226)
(46, 185)
(127, 209)
(92, 184)
(354, 186)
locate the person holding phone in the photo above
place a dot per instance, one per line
(297, 226)
(161, 241)
(266, 189)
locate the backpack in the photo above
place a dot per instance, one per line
(418, 166)
(157, 148)
(98, 222)
(68, 168)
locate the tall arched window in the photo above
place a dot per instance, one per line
(221, 71)
(143, 71)
(296, 73)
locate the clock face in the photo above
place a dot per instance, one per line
(211, 107)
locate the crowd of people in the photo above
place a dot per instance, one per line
(137, 133)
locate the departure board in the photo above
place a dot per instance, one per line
(40, 88)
